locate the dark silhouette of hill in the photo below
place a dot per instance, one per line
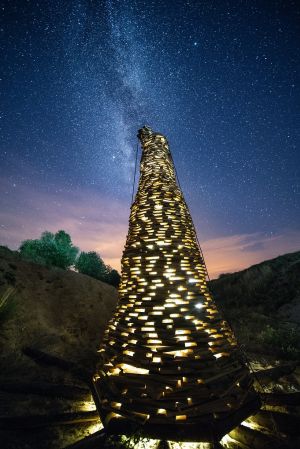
(262, 303)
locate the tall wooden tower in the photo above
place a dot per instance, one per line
(170, 367)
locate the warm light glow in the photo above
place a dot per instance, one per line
(226, 440)
(250, 424)
(180, 417)
(94, 427)
(132, 369)
(199, 305)
(88, 406)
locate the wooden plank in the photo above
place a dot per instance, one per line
(281, 399)
(45, 389)
(288, 424)
(268, 375)
(258, 440)
(95, 441)
(35, 421)
(43, 358)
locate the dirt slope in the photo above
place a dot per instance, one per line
(263, 305)
(61, 312)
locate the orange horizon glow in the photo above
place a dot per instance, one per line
(99, 224)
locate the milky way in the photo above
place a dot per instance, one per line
(219, 78)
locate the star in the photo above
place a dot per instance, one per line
(217, 81)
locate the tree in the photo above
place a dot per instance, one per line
(90, 263)
(58, 250)
(32, 250)
(66, 253)
(51, 250)
(112, 276)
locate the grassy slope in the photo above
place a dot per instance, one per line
(262, 303)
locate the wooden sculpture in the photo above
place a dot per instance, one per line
(170, 367)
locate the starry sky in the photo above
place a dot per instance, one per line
(219, 78)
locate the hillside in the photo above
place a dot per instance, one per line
(262, 303)
(62, 313)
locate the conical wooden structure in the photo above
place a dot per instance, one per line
(170, 366)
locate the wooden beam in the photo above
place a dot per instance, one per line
(95, 441)
(258, 440)
(45, 389)
(268, 375)
(281, 399)
(35, 421)
(288, 424)
(44, 358)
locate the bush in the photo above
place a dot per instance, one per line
(51, 250)
(112, 277)
(91, 264)
(57, 250)
(283, 338)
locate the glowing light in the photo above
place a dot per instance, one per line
(193, 280)
(88, 406)
(116, 404)
(250, 424)
(130, 353)
(199, 305)
(133, 369)
(95, 427)
(226, 441)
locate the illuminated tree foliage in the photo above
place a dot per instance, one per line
(91, 264)
(57, 250)
(50, 249)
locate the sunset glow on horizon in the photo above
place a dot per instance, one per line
(98, 224)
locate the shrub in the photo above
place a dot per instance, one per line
(51, 250)
(283, 338)
(91, 264)
(112, 277)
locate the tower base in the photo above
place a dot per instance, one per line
(205, 428)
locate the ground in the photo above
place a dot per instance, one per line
(64, 313)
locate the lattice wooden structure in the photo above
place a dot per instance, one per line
(170, 367)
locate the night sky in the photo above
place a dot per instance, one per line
(219, 78)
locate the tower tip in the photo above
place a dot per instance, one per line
(144, 131)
